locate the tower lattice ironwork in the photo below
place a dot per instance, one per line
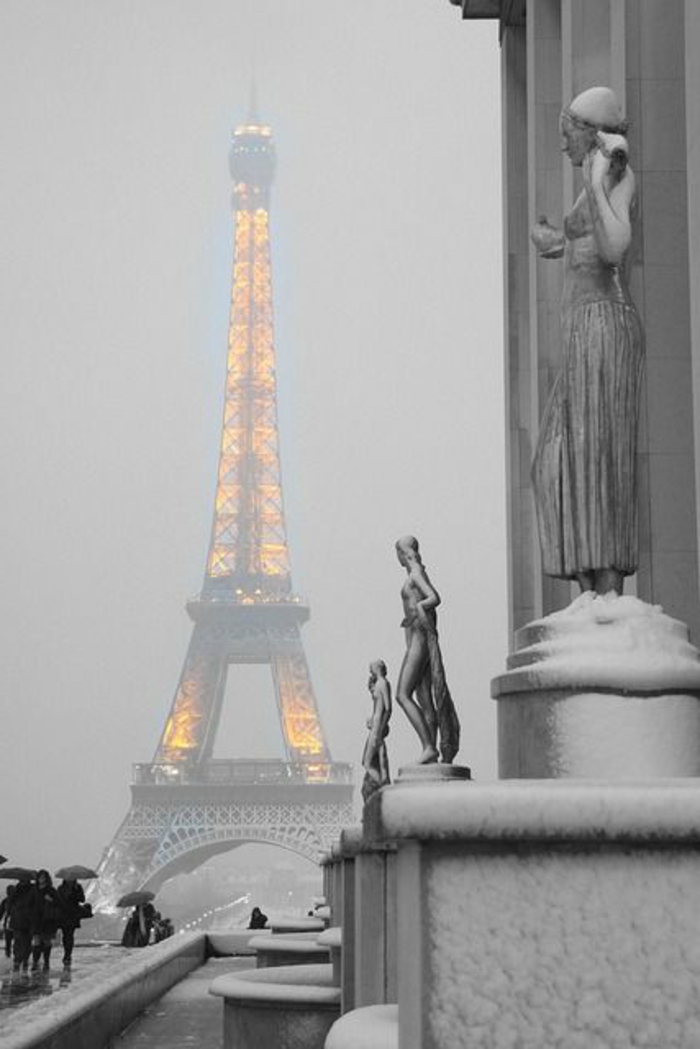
(187, 805)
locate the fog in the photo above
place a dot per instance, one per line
(116, 269)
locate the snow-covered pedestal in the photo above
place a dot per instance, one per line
(280, 949)
(608, 687)
(547, 913)
(288, 1007)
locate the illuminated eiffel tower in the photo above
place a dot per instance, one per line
(186, 805)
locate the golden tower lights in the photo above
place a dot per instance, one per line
(246, 612)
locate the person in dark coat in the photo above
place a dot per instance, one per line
(5, 919)
(71, 899)
(258, 920)
(167, 929)
(138, 928)
(46, 918)
(21, 911)
(162, 928)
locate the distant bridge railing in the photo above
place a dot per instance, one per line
(222, 772)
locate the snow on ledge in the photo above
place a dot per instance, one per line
(587, 810)
(301, 984)
(332, 937)
(295, 925)
(286, 944)
(606, 641)
(371, 1027)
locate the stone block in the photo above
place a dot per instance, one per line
(560, 914)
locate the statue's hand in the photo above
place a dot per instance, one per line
(615, 149)
(548, 240)
(596, 165)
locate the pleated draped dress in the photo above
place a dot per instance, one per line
(584, 471)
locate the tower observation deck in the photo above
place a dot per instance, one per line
(187, 805)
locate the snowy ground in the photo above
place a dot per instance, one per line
(28, 997)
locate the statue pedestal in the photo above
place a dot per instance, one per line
(607, 688)
(552, 913)
(434, 773)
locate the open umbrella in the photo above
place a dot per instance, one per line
(3, 859)
(17, 873)
(133, 899)
(76, 873)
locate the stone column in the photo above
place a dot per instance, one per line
(375, 925)
(349, 843)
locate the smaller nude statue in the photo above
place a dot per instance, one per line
(374, 757)
(422, 691)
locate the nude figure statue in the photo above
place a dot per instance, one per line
(374, 757)
(422, 691)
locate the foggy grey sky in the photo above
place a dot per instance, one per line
(117, 224)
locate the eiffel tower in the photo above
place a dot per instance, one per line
(186, 805)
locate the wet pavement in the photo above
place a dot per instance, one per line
(29, 996)
(187, 1015)
(24, 988)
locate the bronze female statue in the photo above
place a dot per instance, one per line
(374, 757)
(422, 691)
(584, 470)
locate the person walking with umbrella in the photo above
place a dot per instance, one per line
(46, 918)
(137, 932)
(72, 903)
(20, 914)
(5, 919)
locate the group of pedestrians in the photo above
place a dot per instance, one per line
(146, 925)
(31, 914)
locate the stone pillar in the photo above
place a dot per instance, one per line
(335, 900)
(349, 843)
(375, 925)
(326, 868)
(549, 914)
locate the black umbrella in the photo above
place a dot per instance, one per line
(3, 859)
(133, 899)
(17, 873)
(76, 873)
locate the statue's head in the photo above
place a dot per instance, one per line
(407, 549)
(377, 669)
(594, 110)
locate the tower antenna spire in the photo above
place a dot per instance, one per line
(253, 112)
